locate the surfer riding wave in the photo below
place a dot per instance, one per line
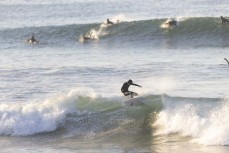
(125, 89)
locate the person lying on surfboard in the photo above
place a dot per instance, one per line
(125, 89)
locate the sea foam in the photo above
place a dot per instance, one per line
(206, 125)
(22, 119)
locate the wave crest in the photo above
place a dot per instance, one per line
(190, 32)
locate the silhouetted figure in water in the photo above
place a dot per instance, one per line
(32, 40)
(125, 89)
(109, 22)
(224, 20)
(172, 22)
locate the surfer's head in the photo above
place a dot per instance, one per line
(130, 82)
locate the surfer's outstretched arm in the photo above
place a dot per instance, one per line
(226, 60)
(136, 85)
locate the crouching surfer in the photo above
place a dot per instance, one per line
(125, 89)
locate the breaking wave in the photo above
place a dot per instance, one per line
(190, 32)
(203, 119)
(78, 112)
(81, 112)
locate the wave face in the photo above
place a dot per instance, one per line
(82, 113)
(79, 112)
(190, 33)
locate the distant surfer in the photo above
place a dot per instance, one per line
(171, 22)
(85, 37)
(125, 88)
(226, 60)
(32, 40)
(224, 20)
(109, 22)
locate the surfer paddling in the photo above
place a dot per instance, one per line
(125, 89)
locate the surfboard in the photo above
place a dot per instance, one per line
(29, 41)
(134, 102)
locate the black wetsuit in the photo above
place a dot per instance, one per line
(125, 89)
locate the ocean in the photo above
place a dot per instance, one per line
(63, 95)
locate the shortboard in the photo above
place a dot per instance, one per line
(134, 102)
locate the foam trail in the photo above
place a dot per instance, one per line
(94, 34)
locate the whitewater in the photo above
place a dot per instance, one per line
(63, 94)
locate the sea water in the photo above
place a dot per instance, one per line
(63, 95)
